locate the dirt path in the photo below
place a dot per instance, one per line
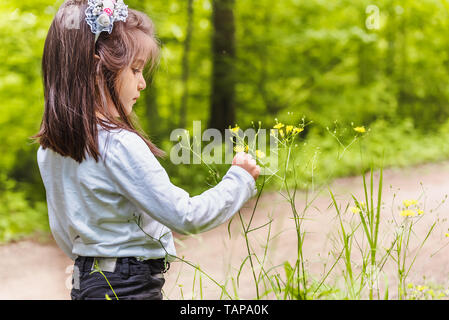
(32, 270)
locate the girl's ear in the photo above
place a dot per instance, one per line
(97, 57)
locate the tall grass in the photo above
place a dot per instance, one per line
(366, 246)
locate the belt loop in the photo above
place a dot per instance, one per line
(124, 267)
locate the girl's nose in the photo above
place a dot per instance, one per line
(142, 84)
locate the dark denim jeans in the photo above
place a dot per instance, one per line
(131, 280)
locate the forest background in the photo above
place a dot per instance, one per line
(380, 64)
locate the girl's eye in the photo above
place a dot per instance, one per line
(136, 71)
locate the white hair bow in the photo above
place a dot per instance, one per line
(101, 15)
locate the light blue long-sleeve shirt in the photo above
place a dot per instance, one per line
(94, 207)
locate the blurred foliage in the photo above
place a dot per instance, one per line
(316, 59)
(17, 217)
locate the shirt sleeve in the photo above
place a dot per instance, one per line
(141, 179)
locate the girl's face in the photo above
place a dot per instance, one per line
(130, 81)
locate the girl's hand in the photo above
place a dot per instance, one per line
(247, 162)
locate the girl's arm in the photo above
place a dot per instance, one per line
(140, 178)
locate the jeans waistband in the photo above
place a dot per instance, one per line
(128, 265)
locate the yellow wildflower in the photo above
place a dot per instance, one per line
(260, 154)
(408, 203)
(288, 129)
(408, 213)
(421, 288)
(279, 125)
(235, 129)
(297, 130)
(420, 212)
(281, 132)
(355, 210)
(360, 129)
(240, 148)
(446, 235)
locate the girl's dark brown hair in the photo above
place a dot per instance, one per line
(77, 85)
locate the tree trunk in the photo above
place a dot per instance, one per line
(222, 104)
(186, 66)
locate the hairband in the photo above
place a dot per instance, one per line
(101, 15)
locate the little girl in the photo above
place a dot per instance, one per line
(111, 204)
